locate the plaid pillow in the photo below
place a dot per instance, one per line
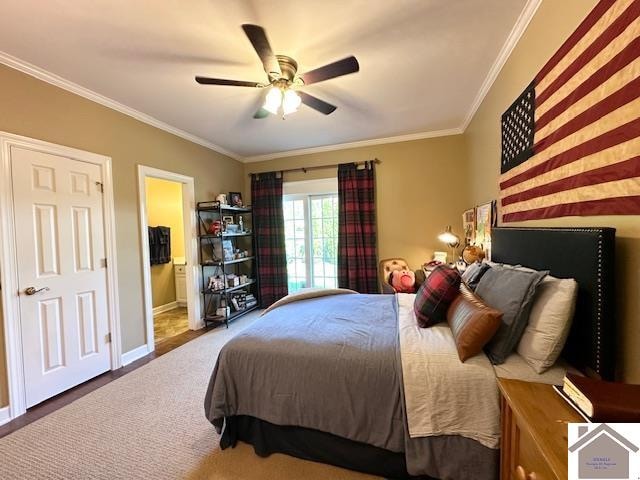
(435, 295)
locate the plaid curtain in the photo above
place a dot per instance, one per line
(268, 224)
(357, 239)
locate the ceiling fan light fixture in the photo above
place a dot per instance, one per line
(273, 100)
(290, 102)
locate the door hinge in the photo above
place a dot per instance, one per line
(107, 338)
(103, 262)
(100, 186)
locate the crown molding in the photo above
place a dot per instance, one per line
(516, 33)
(362, 143)
(512, 40)
(68, 85)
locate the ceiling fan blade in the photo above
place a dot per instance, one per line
(316, 103)
(258, 38)
(336, 69)
(223, 81)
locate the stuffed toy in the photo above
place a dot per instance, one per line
(403, 281)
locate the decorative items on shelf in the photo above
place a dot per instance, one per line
(214, 227)
(238, 254)
(227, 260)
(226, 220)
(216, 283)
(236, 199)
(227, 250)
(243, 300)
(232, 280)
(232, 229)
(251, 301)
(223, 310)
(239, 301)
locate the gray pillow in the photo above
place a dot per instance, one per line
(473, 280)
(510, 291)
(470, 271)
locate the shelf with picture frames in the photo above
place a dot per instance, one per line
(224, 208)
(227, 262)
(231, 289)
(225, 235)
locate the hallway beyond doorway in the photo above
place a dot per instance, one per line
(169, 324)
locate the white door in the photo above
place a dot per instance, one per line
(60, 248)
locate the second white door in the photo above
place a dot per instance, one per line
(61, 271)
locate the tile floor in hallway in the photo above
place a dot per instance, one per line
(169, 324)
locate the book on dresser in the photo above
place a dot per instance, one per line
(602, 401)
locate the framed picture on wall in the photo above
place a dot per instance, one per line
(469, 225)
(484, 222)
(235, 199)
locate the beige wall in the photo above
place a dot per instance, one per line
(417, 190)
(552, 24)
(164, 208)
(36, 109)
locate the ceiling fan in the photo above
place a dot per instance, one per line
(283, 78)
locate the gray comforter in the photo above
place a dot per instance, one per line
(333, 364)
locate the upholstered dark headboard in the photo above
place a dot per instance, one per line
(586, 254)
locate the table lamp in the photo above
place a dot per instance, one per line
(451, 239)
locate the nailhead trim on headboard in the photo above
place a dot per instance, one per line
(599, 307)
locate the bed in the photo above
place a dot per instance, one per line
(322, 379)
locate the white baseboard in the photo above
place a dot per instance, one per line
(5, 415)
(135, 354)
(181, 304)
(165, 308)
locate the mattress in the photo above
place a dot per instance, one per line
(333, 365)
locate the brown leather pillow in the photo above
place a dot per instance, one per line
(472, 322)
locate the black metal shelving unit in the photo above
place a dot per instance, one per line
(217, 264)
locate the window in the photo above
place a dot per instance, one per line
(295, 234)
(311, 236)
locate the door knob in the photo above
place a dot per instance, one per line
(34, 290)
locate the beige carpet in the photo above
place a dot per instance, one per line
(148, 424)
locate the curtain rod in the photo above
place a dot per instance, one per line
(319, 167)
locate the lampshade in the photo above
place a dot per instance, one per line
(290, 102)
(273, 100)
(449, 237)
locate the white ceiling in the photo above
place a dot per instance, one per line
(422, 62)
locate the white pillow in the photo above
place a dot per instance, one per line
(549, 322)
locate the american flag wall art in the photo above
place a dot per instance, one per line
(571, 141)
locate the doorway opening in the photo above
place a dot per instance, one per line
(165, 220)
(167, 227)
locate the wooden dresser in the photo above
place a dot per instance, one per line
(534, 431)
